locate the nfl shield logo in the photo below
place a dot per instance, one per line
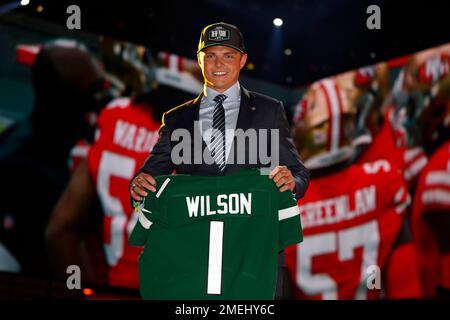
(219, 34)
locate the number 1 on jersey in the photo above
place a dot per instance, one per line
(215, 257)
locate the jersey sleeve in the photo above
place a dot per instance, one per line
(78, 154)
(102, 121)
(103, 134)
(290, 228)
(402, 276)
(395, 195)
(436, 193)
(149, 211)
(413, 161)
(139, 234)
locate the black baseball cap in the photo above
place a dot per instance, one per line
(221, 34)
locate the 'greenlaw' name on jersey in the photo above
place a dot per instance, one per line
(235, 203)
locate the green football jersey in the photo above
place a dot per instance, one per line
(215, 237)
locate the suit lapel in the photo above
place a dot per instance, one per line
(244, 122)
(195, 107)
(245, 118)
(194, 116)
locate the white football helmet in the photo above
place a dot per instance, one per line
(422, 99)
(324, 125)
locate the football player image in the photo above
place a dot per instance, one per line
(180, 155)
(224, 105)
(221, 56)
(126, 134)
(352, 215)
(69, 84)
(423, 116)
(91, 222)
(375, 138)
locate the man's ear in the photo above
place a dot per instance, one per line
(199, 60)
(243, 60)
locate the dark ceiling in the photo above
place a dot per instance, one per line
(325, 37)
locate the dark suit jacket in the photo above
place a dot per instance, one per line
(256, 111)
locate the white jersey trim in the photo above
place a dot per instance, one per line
(436, 196)
(414, 169)
(438, 177)
(80, 151)
(412, 153)
(143, 220)
(164, 185)
(288, 213)
(121, 102)
(402, 207)
(401, 200)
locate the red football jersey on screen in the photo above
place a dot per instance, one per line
(432, 196)
(78, 153)
(351, 220)
(410, 160)
(124, 140)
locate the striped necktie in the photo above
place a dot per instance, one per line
(217, 145)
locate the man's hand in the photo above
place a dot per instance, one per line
(140, 183)
(283, 178)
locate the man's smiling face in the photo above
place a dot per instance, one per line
(221, 66)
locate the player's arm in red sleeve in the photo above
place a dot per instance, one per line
(439, 221)
(69, 221)
(402, 276)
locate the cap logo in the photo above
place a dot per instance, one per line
(219, 34)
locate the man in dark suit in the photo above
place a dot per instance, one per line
(224, 106)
